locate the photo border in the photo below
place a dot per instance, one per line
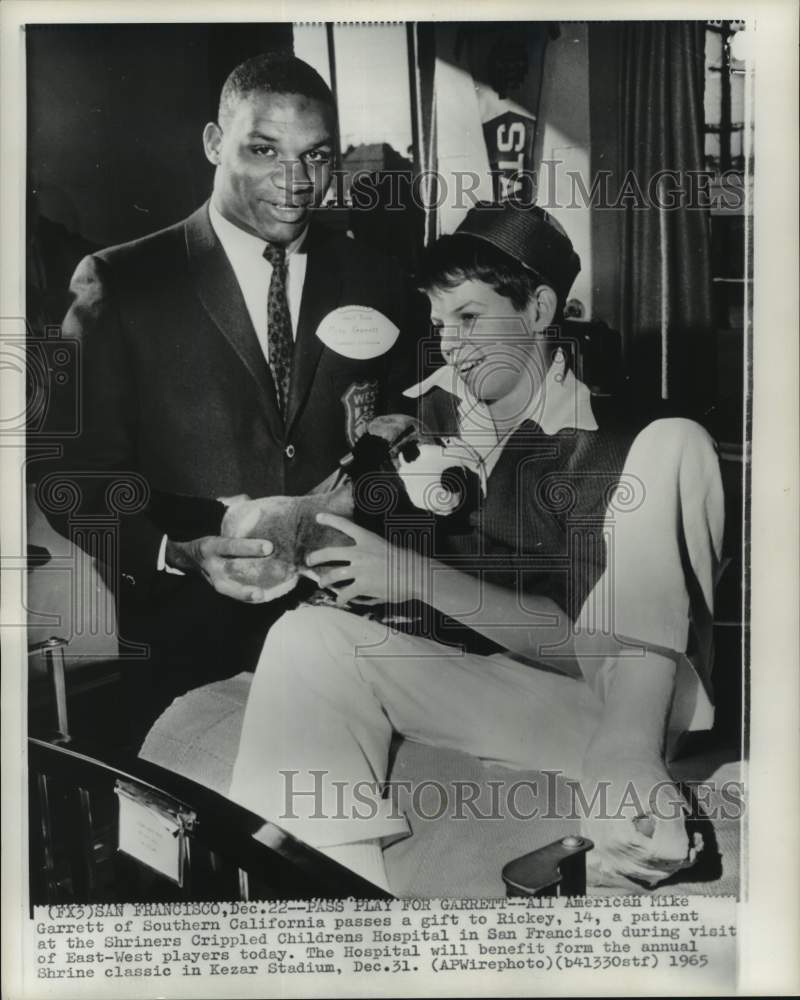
(770, 919)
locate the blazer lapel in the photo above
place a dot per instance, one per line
(218, 290)
(321, 294)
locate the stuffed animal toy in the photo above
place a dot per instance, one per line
(396, 472)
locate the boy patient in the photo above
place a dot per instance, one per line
(583, 591)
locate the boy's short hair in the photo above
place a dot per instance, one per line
(513, 248)
(273, 73)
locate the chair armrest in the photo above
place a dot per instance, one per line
(557, 869)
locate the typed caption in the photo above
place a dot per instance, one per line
(260, 946)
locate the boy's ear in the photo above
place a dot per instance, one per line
(542, 308)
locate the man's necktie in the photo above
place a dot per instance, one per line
(280, 343)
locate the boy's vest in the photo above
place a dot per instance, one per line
(540, 527)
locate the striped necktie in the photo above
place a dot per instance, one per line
(280, 343)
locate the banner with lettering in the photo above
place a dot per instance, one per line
(487, 85)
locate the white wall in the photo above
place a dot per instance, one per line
(373, 91)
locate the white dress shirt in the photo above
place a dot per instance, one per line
(253, 272)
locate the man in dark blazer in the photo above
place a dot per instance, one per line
(181, 399)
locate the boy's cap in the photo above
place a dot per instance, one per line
(529, 235)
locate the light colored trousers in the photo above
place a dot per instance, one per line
(331, 687)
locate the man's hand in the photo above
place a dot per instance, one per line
(640, 833)
(230, 565)
(375, 570)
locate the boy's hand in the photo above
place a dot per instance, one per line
(642, 836)
(374, 569)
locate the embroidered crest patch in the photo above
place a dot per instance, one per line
(360, 402)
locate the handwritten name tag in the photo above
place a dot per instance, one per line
(358, 332)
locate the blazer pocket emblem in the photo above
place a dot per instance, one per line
(357, 332)
(360, 404)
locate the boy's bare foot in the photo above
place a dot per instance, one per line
(636, 820)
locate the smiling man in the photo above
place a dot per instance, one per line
(273, 151)
(204, 376)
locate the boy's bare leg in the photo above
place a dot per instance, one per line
(663, 559)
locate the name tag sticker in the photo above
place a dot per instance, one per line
(358, 332)
(152, 833)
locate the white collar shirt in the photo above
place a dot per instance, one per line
(253, 272)
(562, 402)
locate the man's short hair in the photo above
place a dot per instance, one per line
(273, 73)
(454, 259)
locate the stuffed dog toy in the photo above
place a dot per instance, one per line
(395, 470)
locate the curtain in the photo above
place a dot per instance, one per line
(666, 303)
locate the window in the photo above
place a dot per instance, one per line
(725, 140)
(724, 97)
(728, 145)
